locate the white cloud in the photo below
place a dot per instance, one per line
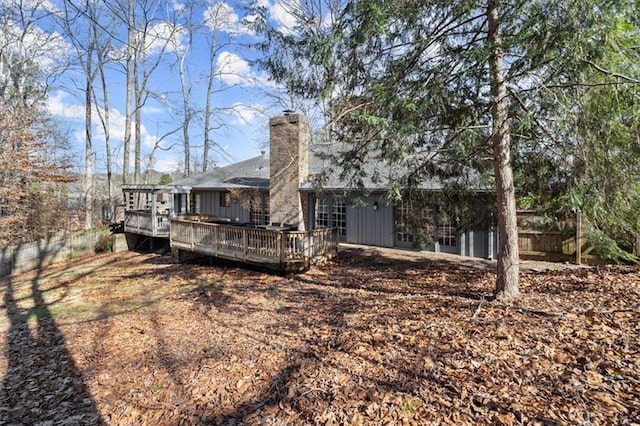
(79, 136)
(58, 106)
(245, 114)
(116, 126)
(219, 16)
(45, 49)
(288, 14)
(284, 13)
(148, 109)
(149, 141)
(233, 70)
(166, 165)
(164, 36)
(30, 5)
(328, 20)
(178, 6)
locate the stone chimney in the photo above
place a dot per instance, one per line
(289, 166)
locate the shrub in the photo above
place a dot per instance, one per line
(607, 248)
(104, 243)
(165, 179)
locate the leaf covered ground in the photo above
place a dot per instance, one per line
(372, 337)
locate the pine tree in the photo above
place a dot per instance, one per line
(453, 90)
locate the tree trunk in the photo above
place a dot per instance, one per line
(186, 109)
(107, 134)
(129, 90)
(137, 117)
(208, 108)
(88, 149)
(507, 285)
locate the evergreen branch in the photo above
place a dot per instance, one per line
(610, 73)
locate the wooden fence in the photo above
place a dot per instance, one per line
(23, 257)
(541, 237)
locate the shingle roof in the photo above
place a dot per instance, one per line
(254, 173)
(251, 173)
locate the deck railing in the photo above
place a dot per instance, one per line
(276, 249)
(142, 222)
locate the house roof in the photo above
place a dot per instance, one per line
(323, 172)
(251, 173)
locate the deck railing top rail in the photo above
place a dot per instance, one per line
(142, 222)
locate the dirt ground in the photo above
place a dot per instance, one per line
(373, 337)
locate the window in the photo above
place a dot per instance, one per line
(339, 216)
(426, 219)
(180, 203)
(225, 199)
(194, 203)
(446, 230)
(322, 213)
(415, 225)
(259, 209)
(331, 212)
(403, 224)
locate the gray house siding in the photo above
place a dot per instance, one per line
(236, 211)
(369, 222)
(457, 249)
(479, 246)
(364, 224)
(368, 226)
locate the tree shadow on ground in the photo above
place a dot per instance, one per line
(322, 312)
(42, 383)
(420, 276)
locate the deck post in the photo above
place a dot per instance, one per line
(215, 243)
(192, 238)
(281, 244)
(245, 243)
(307, 239)
(154, 214)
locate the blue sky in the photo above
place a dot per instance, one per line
(245, 97)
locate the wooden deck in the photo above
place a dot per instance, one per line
(284, 251)
(143, 222)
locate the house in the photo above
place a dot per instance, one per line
(288, 207)
(280, 189)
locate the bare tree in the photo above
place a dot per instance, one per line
(148, 38)
(32, 53)
(80, 23)
(104, 49)
(129, 71)
(217, 18)
(185, 25)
